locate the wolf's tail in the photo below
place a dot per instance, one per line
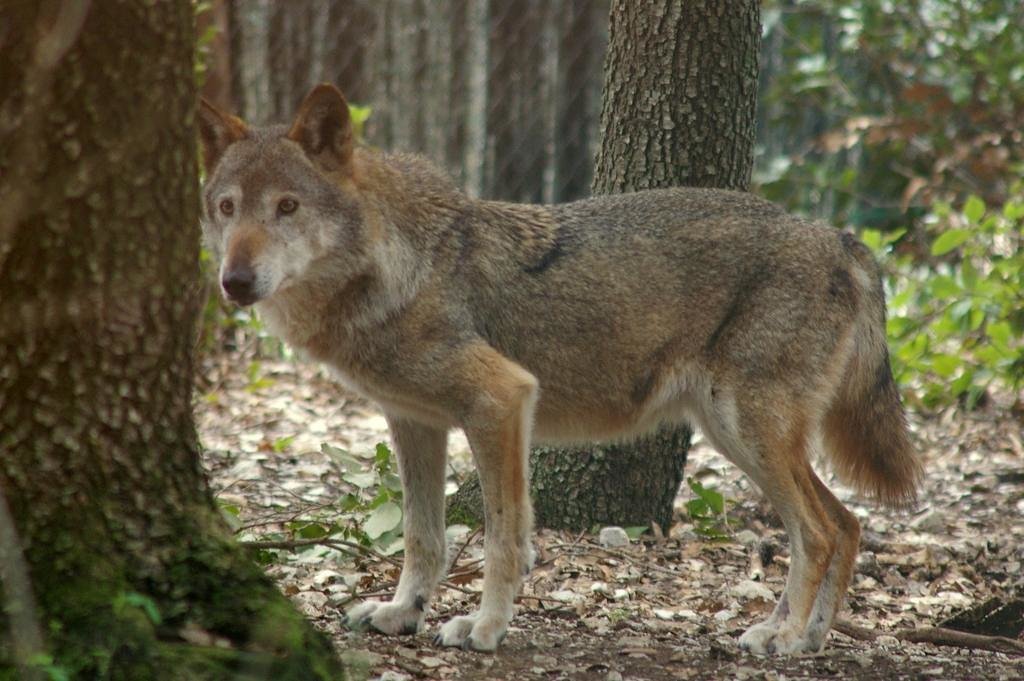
(865, 427)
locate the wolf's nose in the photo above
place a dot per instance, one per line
(239, 284)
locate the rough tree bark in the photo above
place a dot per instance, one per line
(679, 102)
(680, 95)
(122, 566)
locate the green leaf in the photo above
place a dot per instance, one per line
(946, 365)
(313, 531)
(974, 208)
(348, 502)
(359, 114)
(696, 508)
(282, 443)
(715, 501)
(383, 518)
(1013, 210)
(382, 457)
(974, 395)
(975, 319)
(391, 482)
(943, 286)
(636, 531)
(44, 662)
(389, 546)
(1000, 332)
(342, 458)
(947, 241)
(894, 236)
(141, 601)
(872, 238)
(361, 480)
(961, 383)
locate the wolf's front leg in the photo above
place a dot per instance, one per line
(421, 453)
(498, 431)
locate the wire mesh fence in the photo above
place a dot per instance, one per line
(506, 94)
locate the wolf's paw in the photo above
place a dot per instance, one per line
(385, 618)
(472, 632)
(769, 639)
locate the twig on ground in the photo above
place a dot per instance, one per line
(940, 636)
(541, 599)
(455, 587)
(648, 564)
(458, 554)
(387, 590)
(279, 518)
(339, 544)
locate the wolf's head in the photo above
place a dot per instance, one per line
(279, 200)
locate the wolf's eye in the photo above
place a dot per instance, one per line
(227, 206)
(287, 206)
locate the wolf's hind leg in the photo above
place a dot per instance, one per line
(840, 570)
(422, 456)
(498, 430)
(813, 548)
(767, 437)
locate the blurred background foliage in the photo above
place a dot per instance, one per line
(902, 120)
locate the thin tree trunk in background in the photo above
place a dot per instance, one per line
(404, 71)
(474, 157)
(679, 102)
(250, 43)
(217, 81)
(349, 31)
(505, 94)
(517, 135)
(99, 462)
(434, 82)
(577, 95)
(290, 65)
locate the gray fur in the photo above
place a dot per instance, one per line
(592, 320)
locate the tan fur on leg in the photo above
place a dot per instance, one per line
(772, 450)
(837, 579)
(499, 432)
(421, 453)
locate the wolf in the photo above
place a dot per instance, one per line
(593, 320)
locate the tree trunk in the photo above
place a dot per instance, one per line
(216, 80)
(581, 42)
(516, 95)
(680, 95)
(348, 33)
(679, 102)
(114, 557)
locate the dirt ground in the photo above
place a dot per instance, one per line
(663, 607)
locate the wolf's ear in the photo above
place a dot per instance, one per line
(217, 131)
(323, 128)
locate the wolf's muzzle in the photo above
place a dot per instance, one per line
(240, 285)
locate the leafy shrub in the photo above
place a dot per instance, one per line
(904, 110)
(874, 110)
(707, 511)
(957, 320)
(371, 514)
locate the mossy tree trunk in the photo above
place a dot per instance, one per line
(678, 109)
(115, 560)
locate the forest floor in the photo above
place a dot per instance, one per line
(663, 607)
